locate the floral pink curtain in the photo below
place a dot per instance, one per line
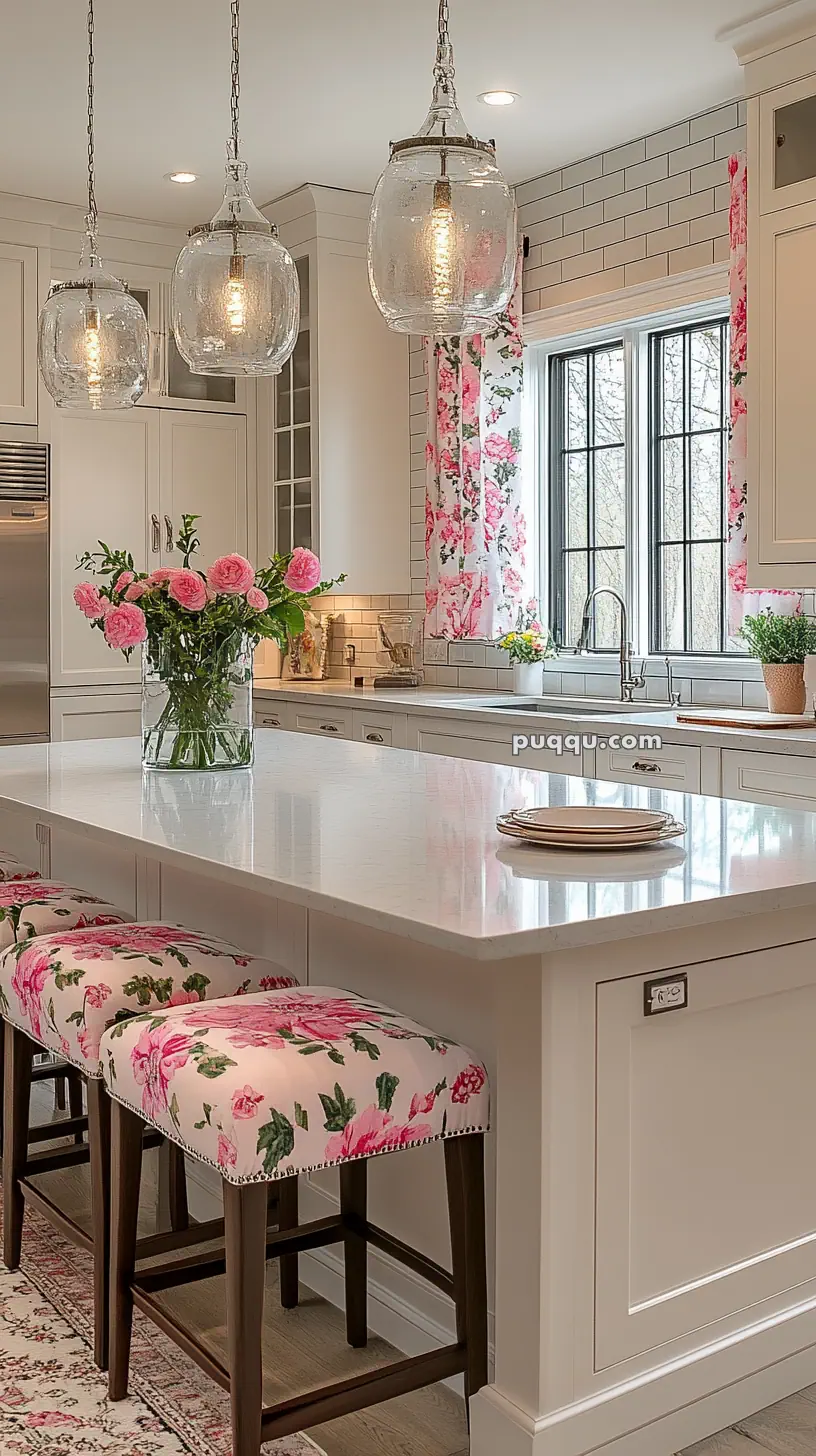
(740, 599)
(474, 523)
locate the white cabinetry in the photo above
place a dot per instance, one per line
(386, 730)
(126, 480)
(335, 431)
(676, 766)
(780, 69)
(769, 778)
(95, 715)
(18, 334)
(487, 743)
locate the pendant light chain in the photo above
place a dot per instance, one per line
(92, 214)
(444, 70)
(235, 74)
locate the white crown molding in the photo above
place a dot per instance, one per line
(641, 300)
(769, 30)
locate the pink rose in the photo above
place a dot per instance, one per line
(96, 995)
(245, 1103)
(90, 601)
(183, 998)
(422, 1104)
(498, 447)
(162, 575)
(125, 626)
(257, 599)
(374, 1131)
(227, 1152)
(137, 590)
(232, 575)
(124, 581)
(188, 589)
(468, 1084)
(155, 1059)
(303, 572)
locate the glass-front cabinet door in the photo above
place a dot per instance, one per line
(293, 418)
(171, 380)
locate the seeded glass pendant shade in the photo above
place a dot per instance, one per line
(442, 240)
(235, 305)
(92, 340)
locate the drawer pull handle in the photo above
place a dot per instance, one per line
(642, 767)
(374, 738)
(271, 722)
(329, 728)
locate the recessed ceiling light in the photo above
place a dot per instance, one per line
(183, 178)
(499, 98)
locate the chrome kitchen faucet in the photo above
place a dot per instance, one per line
(628, 680)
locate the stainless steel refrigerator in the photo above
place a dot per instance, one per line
(24, 489)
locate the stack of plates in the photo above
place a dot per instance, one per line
(590, 827)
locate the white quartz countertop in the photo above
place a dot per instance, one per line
(406, 842)
(477, 706)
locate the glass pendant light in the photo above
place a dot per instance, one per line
(235, 298)
(92, 338)
(442, 232)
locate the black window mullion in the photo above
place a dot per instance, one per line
(591, 483)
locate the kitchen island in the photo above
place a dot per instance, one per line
(652, 1198)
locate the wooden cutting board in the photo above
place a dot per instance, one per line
(744, 718)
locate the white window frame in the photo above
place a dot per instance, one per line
(629, 315)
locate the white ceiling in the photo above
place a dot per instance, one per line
(327, 83)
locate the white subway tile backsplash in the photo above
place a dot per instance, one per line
(626, 252)
(648, 270)
(539, 187)
(714, 225)
(554, 204)
(719, 691)
(711, 123)
(649, 221)
(542, 232)
(687, 158)
(559, 248)
(626, 156)
(668, 238)
(669, 140)
(729, 142)
(695, 204)
(484, 679)
(685, 260)
(603, 187)
(754, 695)
(603, 236)
(466, 654)
(582, 172)
(584, 217)
(670, 190)
(712, 175)
(496, 657)
(624, 203)
(654, 170)
(578, 267)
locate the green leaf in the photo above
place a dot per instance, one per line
(174, 1110)
(67, 978)
(301, 1117)
(215, 1064)
(386, 1087)
(337, 1057)
(339, 1109)
(362, 1044)
(197, 983)
(276, 1140)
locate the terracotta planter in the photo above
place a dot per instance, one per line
(785, 683)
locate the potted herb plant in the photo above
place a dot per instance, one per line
(781, 644)
(528, 648)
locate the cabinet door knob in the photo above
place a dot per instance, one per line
(374, 738)
(156, 536)
(642, 767)
(328, 728)
(168, 533)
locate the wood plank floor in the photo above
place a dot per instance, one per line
(306, 1347)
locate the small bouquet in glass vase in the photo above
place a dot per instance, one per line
(528, 648)
(198, 631)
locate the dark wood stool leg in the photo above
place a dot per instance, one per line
(60, 1084)
(245, 1238)
(99, 1137)
(126, 1172)
(179, 1212)
(75, 1079)
(19, 1060)
(464, 1165)
(354, 1206)
(287, 1190)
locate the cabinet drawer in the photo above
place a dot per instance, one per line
(769, 778)
(486, 744)
(384, 730)
(315, 720)
(273, 715)
(674, 766)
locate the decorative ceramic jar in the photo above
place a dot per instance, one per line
(528, 679)
(785, 683)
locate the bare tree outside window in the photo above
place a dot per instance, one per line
(688, 468)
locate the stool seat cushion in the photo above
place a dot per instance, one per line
(64, 989)
(269, 1085)
(13, 869)
(38, 907)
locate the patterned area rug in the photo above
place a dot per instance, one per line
(53, 1400)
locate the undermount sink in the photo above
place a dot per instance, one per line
(563, 707)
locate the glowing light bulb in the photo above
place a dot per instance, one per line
(93, 356)
(443, 238)
(236, 295)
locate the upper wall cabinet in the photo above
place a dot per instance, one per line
(18, 335)
(334, 431)
(779, 55)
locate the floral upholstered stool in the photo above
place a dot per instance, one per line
(265, 1087)
(31, 906)
(12, 869)
(58, 992)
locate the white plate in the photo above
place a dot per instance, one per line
(506, 825)
(590, 819)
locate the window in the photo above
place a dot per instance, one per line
(292, 461)
(689, 463)
(637, 460)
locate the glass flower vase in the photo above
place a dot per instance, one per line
(197, 704)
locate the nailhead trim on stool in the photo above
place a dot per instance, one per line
(267, 1086)
(59, 992)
